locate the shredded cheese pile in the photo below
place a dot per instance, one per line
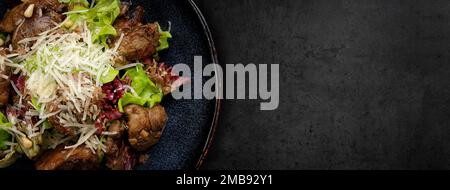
(64, 69)
(70, 62)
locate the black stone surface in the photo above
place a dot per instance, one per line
(365, 84)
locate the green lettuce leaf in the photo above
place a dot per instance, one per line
(112, 73)
(84, 2)
(4, 136)
(99, 18)
(163, 39)
(139, 79)
(3, 35)
(47, 125)
(147, 93)
(35, 103)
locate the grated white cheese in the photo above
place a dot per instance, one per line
(4, 76)
(15, 89)
(62, 63)
(65, 69)
(128, 66)
(74, 12)
(83, 137)
(107, 133)
(117, 45)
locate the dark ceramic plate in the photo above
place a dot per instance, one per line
(191, 123)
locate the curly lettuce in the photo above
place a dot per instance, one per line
(163, 39)
(12, 156)
(4, 136)
(83, 2)
(110, 76)
(145, 92)
(99, 18)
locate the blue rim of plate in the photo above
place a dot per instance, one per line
(213, 52)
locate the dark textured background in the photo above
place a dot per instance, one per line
(364, 84)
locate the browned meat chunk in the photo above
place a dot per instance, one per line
(13, 17)
(113, 142)
(124, 6)
(4, 87)
(125, 24)
(139, 40)
(145, 125)
(81, 158)
(54, 5)
(118, 155)
(4, 82)
(117, 128)
(34, 26)
(45, 15)
(120, 158)
(124, 158)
